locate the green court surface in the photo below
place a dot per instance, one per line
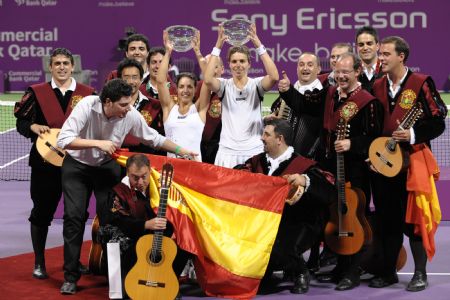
(7, 120)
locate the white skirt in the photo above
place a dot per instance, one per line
(230, 158)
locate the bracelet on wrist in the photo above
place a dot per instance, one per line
(216, 51)
(177, 150)
(261, 50)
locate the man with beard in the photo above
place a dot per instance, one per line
(301, 223)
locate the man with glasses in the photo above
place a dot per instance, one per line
(131, 71)
(362, 112)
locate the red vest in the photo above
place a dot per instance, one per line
(150, 113)
(137, 207)
(50, 106)
(405, 101)
(359, 97)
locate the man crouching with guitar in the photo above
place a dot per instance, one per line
(131, 216)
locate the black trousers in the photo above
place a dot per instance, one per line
(390, 200)
(292, 240)
(78, 183)
(45, 191)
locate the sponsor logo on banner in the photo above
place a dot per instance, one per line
(42, 3)
(25, 76)
(241, 2)
(16, 50)
(116, 4)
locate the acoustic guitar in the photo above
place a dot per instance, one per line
(46, 146)
(386, 155)
(152, 277)
(97, 261)
(344, 233)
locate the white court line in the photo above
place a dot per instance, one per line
(434, 274)
(14, 161)
(6, 131)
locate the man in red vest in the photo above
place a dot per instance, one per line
(312, 89)
(302, 222)
(131, 216)
(361, 111)
(399, 91)
(44, 106)
(131, 71)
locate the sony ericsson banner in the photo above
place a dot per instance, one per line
(96, 30)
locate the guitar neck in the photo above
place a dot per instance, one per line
(340, 178)
(158, 234)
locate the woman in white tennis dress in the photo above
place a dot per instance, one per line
(183, 119)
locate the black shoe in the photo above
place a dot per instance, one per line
(327, 278)
(418, 282)
(178, 297)
(346, 284)
(327, 258)
(84, 270)
(68, 288)
(301, 283)
(313, 265)
(384, 281)
(39, 272)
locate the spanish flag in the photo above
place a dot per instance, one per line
(423, 208)
(228, 218)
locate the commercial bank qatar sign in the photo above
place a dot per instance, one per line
(30, 29)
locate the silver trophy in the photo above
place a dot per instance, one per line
(237, 31)
(181, 37)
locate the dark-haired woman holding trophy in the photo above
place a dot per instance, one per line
(241, 96)
(183, 119)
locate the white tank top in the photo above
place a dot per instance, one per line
(185, 130)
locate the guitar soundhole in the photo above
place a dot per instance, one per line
(155, 259)
(390, 145)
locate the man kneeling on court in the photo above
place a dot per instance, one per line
(302, 222)
(131, 216)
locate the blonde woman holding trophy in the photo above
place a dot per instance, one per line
(241, 95)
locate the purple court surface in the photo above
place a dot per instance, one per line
(15, 206)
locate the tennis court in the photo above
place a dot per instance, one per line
(15, 148)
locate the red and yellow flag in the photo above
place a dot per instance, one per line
(423, 208)
(228, 218)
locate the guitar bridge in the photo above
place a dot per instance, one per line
(344, 234)
(384, 160)
(54, 149)
(150, 283)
